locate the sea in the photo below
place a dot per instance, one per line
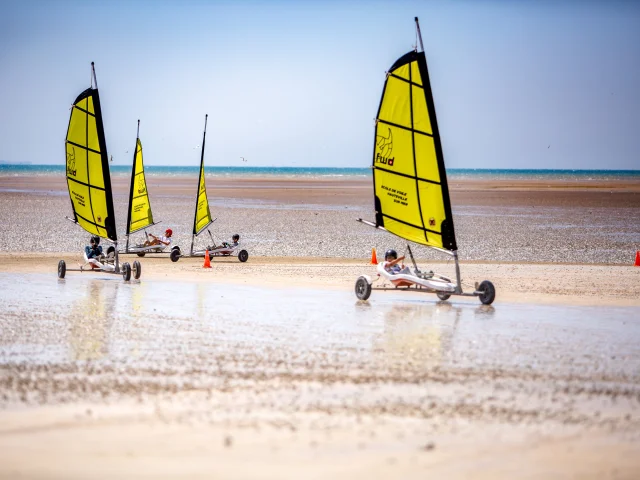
(322, 172)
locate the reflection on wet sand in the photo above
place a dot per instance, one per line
(420, 332)
(91, 319)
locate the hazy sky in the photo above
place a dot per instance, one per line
(297, 83)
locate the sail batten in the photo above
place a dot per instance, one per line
(411, 192)
(87, 167)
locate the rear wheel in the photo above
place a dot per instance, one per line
(443, 296)
(126, 272)
(175, 255)
(243, 256)
(363, 288)
(62, 269)
(141, 254)
(488, 292)
(137, 269)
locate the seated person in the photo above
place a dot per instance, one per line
(162, 240)
(94, 250)
(391, 261)
(234, 241)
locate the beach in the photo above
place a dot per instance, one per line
(273, 369)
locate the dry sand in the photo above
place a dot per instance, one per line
(506, 401)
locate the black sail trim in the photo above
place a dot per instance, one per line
(413, 177)
(83, 147)
(109, 222)
(447, 228)
(85, 184)
(405, 80)
(417, 227)
(84, 111)
(386, 122)
(413, 153)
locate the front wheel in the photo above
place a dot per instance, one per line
(137, 270)
(174, 255)
(126, 272)
(62, 269)
(443, 296)
(488, 292)
(243, 256)
(363, 288)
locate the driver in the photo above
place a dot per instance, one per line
(234, 241)
(163, 239)
(94, 250)
(391, 261)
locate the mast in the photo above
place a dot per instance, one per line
(133, 177)
(419, 34)
(195, 214)
(440, 156)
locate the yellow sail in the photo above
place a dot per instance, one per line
(88, 167)
(410, 182)
(140, 215)
(202, 218)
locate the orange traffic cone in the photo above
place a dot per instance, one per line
(374, 258)
(207, 260)
(637, 264)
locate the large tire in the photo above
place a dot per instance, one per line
(62, 269)
(126, 272)
(243, 256)
(488, 294)
(363, 288)
(137, 270)
(443, 296)
(175, 255)
(141, 254)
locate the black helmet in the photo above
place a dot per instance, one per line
(390, 253)
(95, 240)
(235, 237)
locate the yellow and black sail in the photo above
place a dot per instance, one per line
(88, 167)
(202, 218)
(140, 215)
(410, 181)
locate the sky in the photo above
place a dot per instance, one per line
(527, 84)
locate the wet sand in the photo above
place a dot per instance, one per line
(273, 369)
(102, 378)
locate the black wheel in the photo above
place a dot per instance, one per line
(443, 296)
(175, 255)
(141, 254)
(126, 272)
(243, 256)
(488, 294)
(62, 269)
(137, 269)
(363, 288)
